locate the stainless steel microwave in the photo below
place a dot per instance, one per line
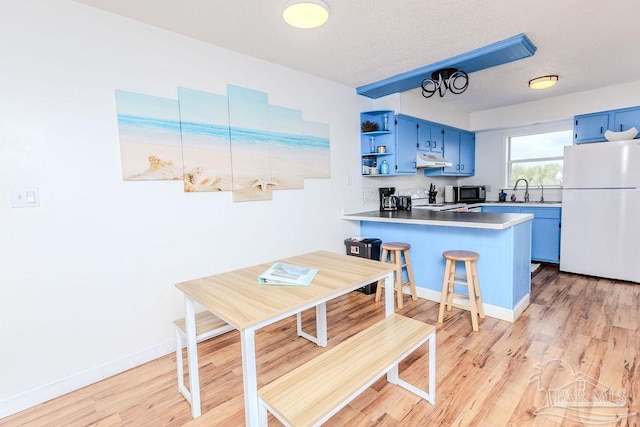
(470, 194)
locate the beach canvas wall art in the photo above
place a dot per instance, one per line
(238, 142)
(150, 141)
(250, 144)
(206, 148)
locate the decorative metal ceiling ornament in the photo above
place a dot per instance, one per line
(456, 81)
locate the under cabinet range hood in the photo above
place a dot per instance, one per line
(429, 160)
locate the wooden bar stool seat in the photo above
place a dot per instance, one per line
(396, 251)
(469, 279)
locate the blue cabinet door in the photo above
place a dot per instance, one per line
(406, 150)
(451, 142)
(424, 136)
(590, 127)
(545, 240)
(626, 119)
(467, 154)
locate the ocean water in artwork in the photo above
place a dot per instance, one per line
(150, 142)
(206, 149)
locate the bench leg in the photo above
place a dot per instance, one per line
(321, 326)
(192, 357)
(263, 416)
(179, 367)
(429, 396)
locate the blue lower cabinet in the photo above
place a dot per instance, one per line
(545, 230)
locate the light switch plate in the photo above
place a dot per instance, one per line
(25, 197)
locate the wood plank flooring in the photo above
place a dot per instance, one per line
(571, 359)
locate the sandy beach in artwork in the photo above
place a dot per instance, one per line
(259, 169)
(144, 161)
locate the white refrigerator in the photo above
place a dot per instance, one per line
(600, 234)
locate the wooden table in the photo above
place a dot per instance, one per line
(237, 299)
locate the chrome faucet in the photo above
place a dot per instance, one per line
(541, 187)
(526, 190)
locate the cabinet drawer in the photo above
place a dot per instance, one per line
(552, 213)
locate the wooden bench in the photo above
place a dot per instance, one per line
(312, 393)
(207, 326)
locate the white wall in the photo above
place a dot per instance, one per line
(87, 279)
(557, 108)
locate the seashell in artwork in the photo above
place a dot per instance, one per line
(203, 179)
(159, 169)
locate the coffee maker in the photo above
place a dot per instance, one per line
(388, 202)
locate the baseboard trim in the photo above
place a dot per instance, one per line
(489, 310)
(77, 380)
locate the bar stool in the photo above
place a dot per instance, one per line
(470, 281)
(396, 251)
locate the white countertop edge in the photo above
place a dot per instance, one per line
(443, 223)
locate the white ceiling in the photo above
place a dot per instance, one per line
(588, 43)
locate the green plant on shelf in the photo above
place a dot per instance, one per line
(369, 126)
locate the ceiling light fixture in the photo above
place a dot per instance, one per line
(305, 14)
(454, 80)
(543, 82)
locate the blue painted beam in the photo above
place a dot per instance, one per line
(498, 53)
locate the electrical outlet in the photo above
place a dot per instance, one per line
(25, 197)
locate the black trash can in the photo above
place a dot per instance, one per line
(364, 247)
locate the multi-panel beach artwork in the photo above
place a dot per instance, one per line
(238, 142)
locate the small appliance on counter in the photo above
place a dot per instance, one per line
(470, 194)
(448, 194)
(404, 203)
(388, 202)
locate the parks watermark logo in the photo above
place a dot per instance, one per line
(565, 395)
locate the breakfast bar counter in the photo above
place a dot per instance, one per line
(496, 221)
(503, 241)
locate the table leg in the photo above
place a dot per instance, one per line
(321, 324)
(249, 376)
(389, 304)
(192, 357)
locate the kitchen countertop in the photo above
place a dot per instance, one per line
(495, 221)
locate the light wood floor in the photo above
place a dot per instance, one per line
(581, 331)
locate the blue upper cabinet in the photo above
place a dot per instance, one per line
(430, 137)
(626, 119)
(405, 136)
(459, 148)
(592, 127)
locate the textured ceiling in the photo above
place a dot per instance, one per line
(588, 43)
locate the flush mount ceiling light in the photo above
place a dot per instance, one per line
(305, 14)
(543, 82)
(454, 80)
